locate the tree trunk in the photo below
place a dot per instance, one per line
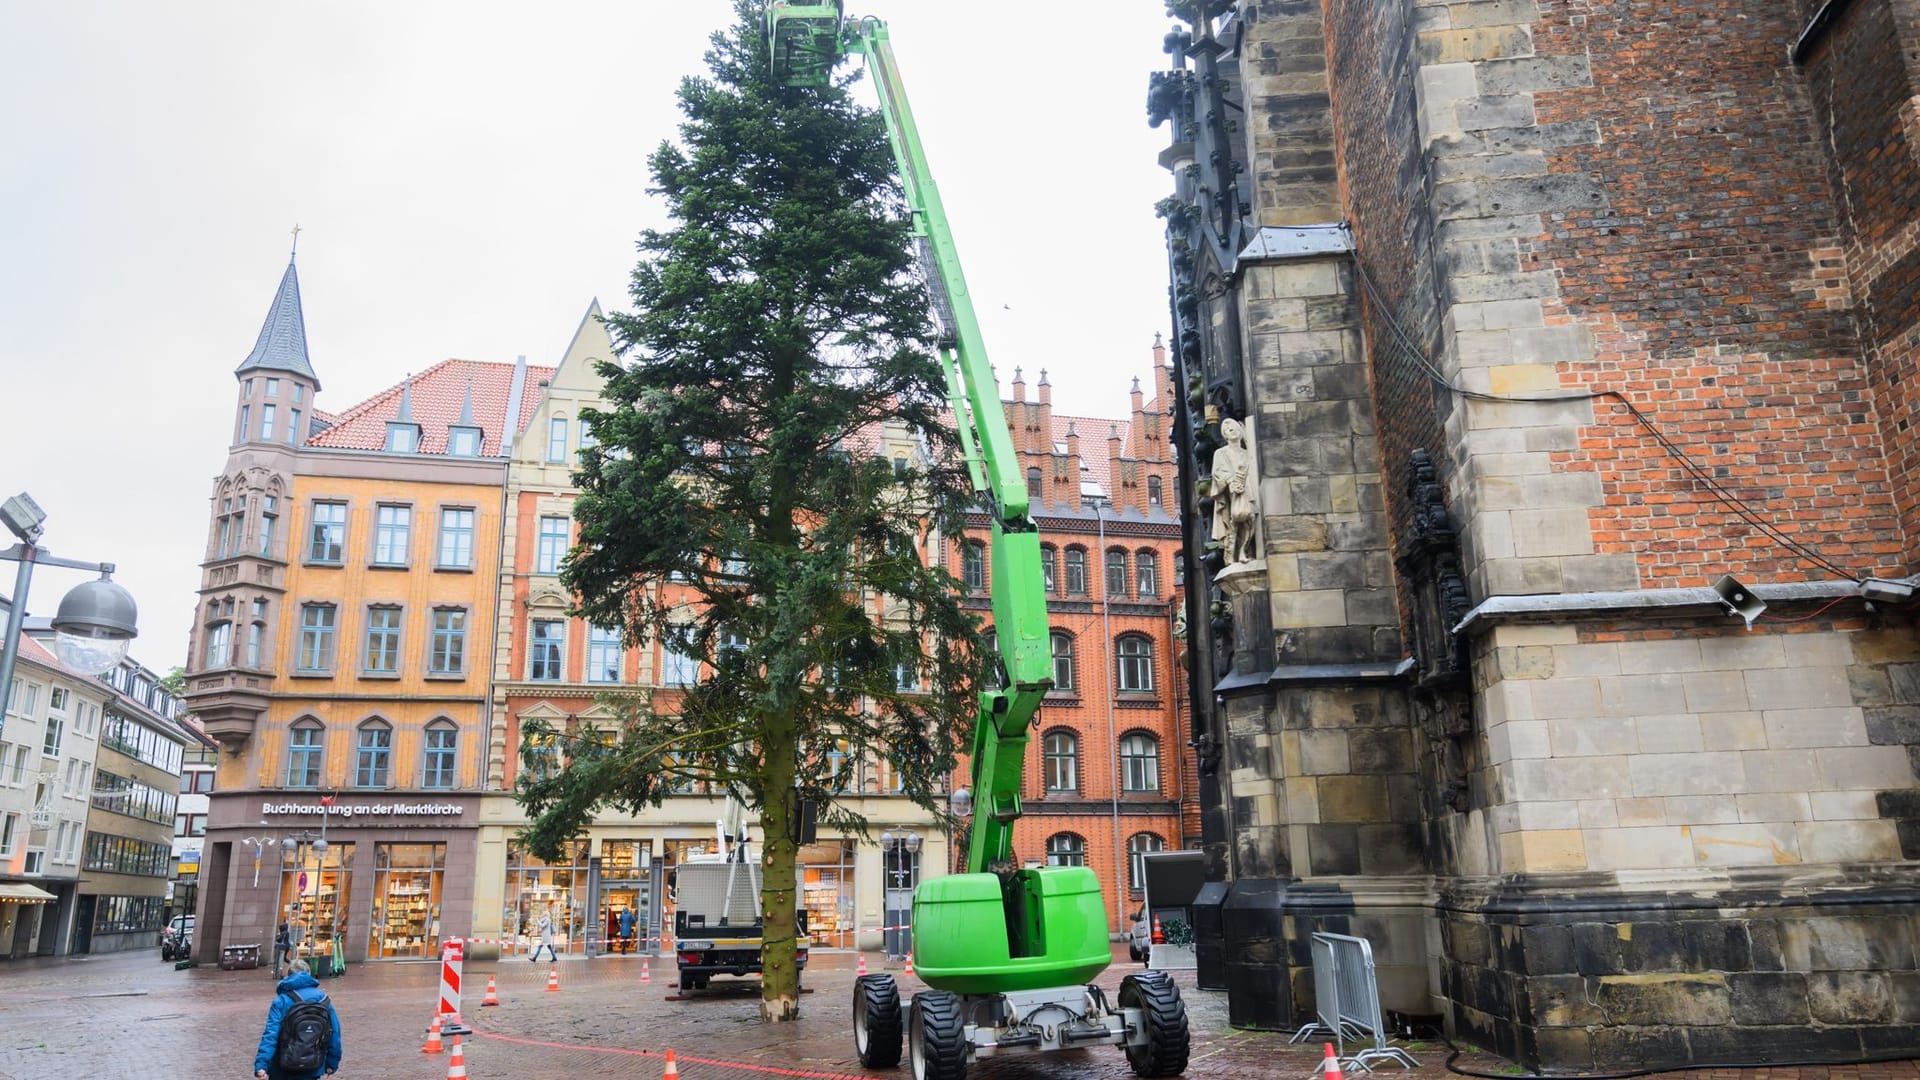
(779, 956)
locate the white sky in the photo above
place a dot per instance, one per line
(467, 177)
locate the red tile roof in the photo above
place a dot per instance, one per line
(436, 398)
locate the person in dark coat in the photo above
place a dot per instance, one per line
(299, 984)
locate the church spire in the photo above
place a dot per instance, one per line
(283, 337)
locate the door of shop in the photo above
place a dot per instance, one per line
(902, 874)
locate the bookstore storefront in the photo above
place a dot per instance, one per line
(386, 879)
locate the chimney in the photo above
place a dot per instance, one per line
(1073, 448)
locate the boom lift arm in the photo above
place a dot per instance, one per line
(808, 40)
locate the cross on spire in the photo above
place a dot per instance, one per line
(296, 238)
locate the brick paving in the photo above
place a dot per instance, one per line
(133, 1016)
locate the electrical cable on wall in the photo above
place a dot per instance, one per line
(1693, 468)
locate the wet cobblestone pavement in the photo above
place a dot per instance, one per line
(132, 1016)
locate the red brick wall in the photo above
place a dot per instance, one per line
(1708, 281)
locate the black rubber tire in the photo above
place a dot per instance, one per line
(694, 982)
(937, 1038)
(1164, 1016)
(876, 1021)
(1133, 953)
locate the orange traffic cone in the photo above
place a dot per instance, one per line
(863, 965)
(1159, 936)
(1330, 1067)
(457, 1064)
(646, 976)
(553, 979)
(909, 963)
(493, 994)
(673, 1067)
(433, 1038)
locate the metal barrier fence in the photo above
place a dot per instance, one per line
(1346, 992)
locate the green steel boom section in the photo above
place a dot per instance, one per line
(807, 41)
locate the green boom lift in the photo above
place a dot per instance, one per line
(1007, 952)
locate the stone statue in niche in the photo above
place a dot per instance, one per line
(1236, 509)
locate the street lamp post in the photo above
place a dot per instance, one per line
(96, 619)
(318, 846)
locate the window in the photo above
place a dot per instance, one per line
(1153, 492)
(463, 442)
(1076, 571)
(906, 677)
(299, 392)
(1033, 483)
(10, 833)
(316, 637)
(266, 423)
(189, 824)
(1138, 845)
(543, 664)
(1048, 559)
(247, 386)
(1061, 646)
(899, 467)
(304, 747)
(403, 438)
(839, 771)
(1066, 849)
(1146, 574)
(269, 517)
(587, 439)
(246, 418)
(540, 756)
(447, 652)
(553, 545)
(392, 529)
(383, 641)
(456, 538)
(1060, 761)
(1136, 663)
(56, 731)
(442, 740)
(1139, 763)
(557, 439)
(327, 543)
(1117, 574)
(57, 699)
(256, 636)
(373, 754)
(974, 565)
(603, 654)
(293, 426)
(273, 388)
(219, 644)
(676, 667)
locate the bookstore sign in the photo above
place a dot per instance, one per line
(384, 811)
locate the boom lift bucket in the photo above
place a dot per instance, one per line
(805, 40)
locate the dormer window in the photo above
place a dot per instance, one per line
(463, 441)
(403, 438)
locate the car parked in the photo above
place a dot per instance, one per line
(1140, 937)
(176, 941)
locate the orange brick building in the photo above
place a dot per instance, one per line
(1108, 769)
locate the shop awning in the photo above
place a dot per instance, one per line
(19, 893)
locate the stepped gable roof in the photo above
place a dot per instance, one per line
(282, 345)
(436, 397)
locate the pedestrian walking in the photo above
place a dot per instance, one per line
(626, 929)
(302, 1039)
(282, 947)
(546, 940)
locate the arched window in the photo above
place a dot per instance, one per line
(1135, 660)
(1076, 571)
(1139, 762)
(442, 746)
(1138, 845)
(1033, 483)
(306, 744)
(973, 565)
(1066, 849)
(1060, 761)
(1117, 574)
(1153, 492)
(373, 754)
(1146, 574)
(1049, 559)
(1061, 647)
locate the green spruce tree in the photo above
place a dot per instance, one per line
(733, 508)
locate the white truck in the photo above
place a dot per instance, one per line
(717, 926)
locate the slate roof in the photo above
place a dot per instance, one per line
(283, 337)
(436, 396)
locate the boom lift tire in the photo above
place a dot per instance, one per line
(1164, 1016)
(937, 1039)
(876, 1021)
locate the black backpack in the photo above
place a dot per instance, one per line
(306, 1030)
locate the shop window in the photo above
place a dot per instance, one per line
(827, 892)
(407, 880)
(315, 898)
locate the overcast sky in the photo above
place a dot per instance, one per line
(467, 177)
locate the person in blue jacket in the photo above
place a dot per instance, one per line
(299, 984)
